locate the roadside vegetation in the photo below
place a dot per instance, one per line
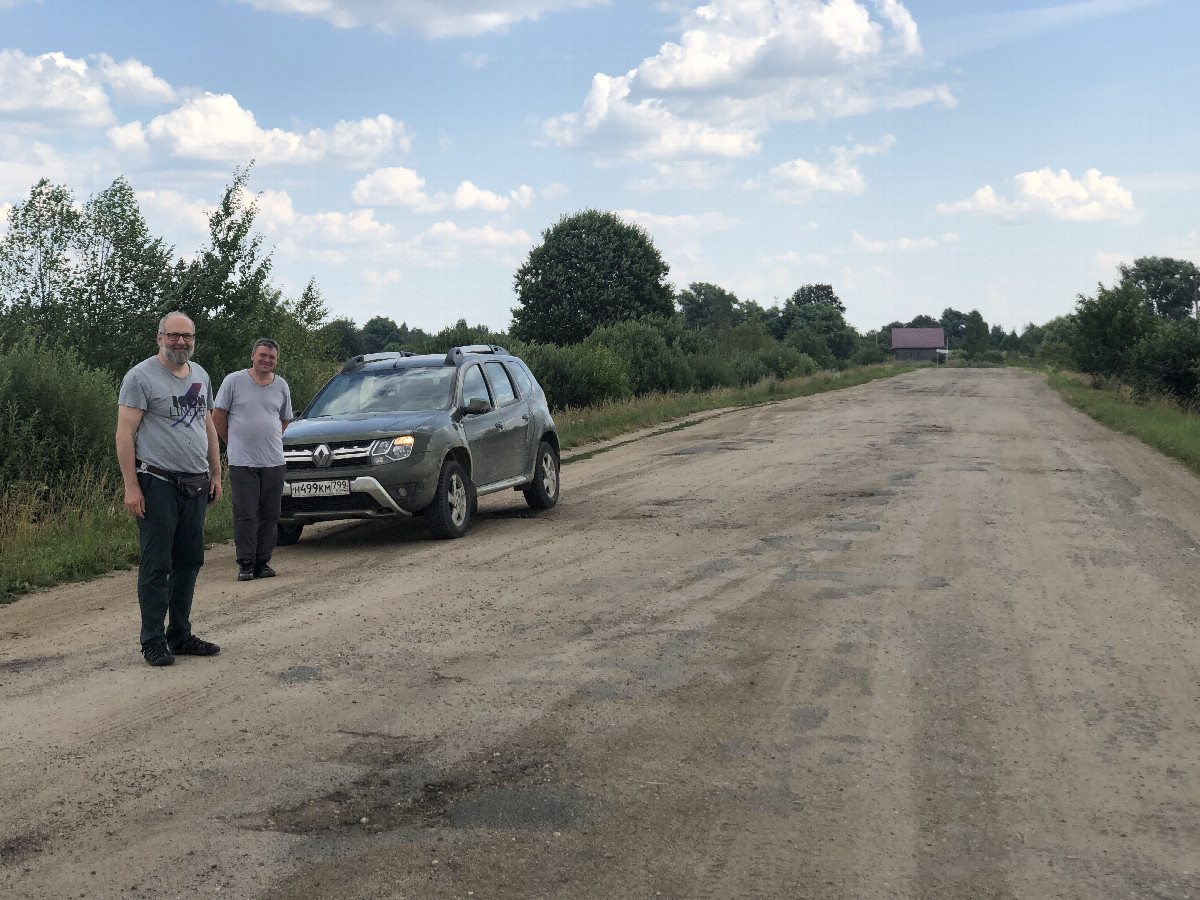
(615, 345)
(1159, 421)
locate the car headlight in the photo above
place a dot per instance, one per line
(388, 450)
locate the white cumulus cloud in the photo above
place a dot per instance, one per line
(797, 179)
(429, 18)
(52, 87)
(135, 81)
(740, 66)
(1092, 198)
(398, 186)
(216, 127)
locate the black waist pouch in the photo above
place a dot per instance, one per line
(191, 485)
(188, 484)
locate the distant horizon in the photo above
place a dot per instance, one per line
(407, 157)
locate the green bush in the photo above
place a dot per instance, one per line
(58, 416)
(749, 368)
(784, 361)
(870, 356)
(577, 376)
(652, 365)
(1055, 354)
(1167, 361)
(714, 369)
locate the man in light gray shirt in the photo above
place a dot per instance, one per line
(252, 409)
(171, 466)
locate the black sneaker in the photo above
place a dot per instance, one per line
(194, 646)
(156, 653)
(245, 571)
(262, 570)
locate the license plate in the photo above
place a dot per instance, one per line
(337, 487)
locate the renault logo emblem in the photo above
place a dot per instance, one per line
(322, 456)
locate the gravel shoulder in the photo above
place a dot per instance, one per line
(929, 637)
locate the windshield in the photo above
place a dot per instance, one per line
(385, 391)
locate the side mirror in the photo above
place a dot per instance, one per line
(477, 406)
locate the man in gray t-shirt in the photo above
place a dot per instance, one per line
(171, 465)
(253, 408)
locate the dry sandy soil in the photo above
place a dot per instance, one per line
(932, 637)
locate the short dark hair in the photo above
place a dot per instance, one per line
(265, 342)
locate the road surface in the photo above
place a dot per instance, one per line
(931, 637)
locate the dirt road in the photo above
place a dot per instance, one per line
(932, 637)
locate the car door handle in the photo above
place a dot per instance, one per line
(526, 417)
(499, 426)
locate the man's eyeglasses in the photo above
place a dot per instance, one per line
(178, 335)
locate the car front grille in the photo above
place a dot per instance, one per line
(347, 454)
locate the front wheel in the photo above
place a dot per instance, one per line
(542, 492)
(288, 533)
(449, 515)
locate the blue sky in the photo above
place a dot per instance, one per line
(916, 154)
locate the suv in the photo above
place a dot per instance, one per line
(398, 434)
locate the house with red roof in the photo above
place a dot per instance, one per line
(917, 343)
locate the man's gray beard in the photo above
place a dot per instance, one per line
(177, 357)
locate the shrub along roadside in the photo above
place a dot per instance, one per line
(81, 530)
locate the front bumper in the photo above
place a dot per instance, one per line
(368, 499)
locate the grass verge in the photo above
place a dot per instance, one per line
(72, 532)
(579, 427)
(50, 535)
(1157, 422)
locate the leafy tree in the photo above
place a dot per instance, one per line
(39, 259)
(705, 305)
(1167, 360)
(954, 325)
(342, 338)
(809, 294)
(753, 312)
(824, 324)
(975, 335)
(379, 333)
(224, 289)
(923, 321)
(996, 337)
(124, 274)
(1172, 285)
(1108, 327)
(591, 269)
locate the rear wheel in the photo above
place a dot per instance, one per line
(288, 533)
(449, 515)
(542, 492)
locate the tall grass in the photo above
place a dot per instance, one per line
(74, 530)
(1160, 422)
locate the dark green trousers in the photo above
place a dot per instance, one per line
(171, 538)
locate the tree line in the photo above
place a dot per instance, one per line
(82, 286)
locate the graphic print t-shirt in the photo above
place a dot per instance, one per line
(172, 432)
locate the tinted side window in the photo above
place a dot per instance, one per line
(501, 383)
(524, 378)
(474, 386)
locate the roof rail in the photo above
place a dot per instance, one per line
(354, 363)
(457, 353)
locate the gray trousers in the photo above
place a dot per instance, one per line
(256, 497)
(171, 540)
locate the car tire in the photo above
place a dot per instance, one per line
(288, 533)
(542, 492)
(450, 513)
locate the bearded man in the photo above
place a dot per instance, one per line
(171, 465)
